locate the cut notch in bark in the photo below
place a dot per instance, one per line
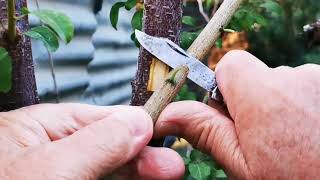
(162, 18)
(167, 92)
(158, 73)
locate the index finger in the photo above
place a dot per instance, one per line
(62, 120)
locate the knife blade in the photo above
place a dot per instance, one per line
(174, 56)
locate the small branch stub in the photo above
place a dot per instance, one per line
(163, 96)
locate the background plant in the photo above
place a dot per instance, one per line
(55, 26)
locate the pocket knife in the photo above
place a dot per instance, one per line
(174, 56)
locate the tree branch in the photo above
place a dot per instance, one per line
(53, 75)
(205, 16)
(162, 18)
(11, 20)
(200, 47)
(171, 86)
(215, 7)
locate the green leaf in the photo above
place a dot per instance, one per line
(219, 43)
(136, 21)
(245, 18)
(114, 13)
(24, 11)
(198, 156)
(46, 36)
(188, 20)
(272, 7)
(186, 160)
(187, 38)
(5, 71)
(260, 19)
(130, 4)
(134, 39)
(185, 94)
(209, 4)
(220, 174)
(199, 171)
(59, 22)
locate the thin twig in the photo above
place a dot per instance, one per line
(2, 25)
(215, 7)
(53, 74)
(184, 2)
(205, 16)
(37, 4)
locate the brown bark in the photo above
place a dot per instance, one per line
(162, 18)
(24, 91)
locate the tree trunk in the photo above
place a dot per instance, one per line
(24, 91)
(162, 18)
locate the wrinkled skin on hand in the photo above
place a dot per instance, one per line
(272, 130)
(72, 141)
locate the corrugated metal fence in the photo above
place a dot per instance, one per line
(97, 66)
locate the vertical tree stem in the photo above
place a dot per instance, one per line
(11, 21)
(162, 18)
(24, 89)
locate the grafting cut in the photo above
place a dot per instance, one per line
(162, 18)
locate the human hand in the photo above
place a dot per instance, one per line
(272, 129)
(72, 141)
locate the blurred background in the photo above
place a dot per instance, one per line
(98, 65)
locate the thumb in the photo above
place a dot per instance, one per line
(101, 147)
(206, 129)
(239, 76)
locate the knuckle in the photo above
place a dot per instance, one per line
(118, 140)
(233, 61)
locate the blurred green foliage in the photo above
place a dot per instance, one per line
(251, 15)
(282, 41)
(185, 94)
(274, 28)
(200, 166)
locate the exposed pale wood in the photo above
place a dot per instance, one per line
(162, 18)
(164, 95)
(199, 49)
(158, 73)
